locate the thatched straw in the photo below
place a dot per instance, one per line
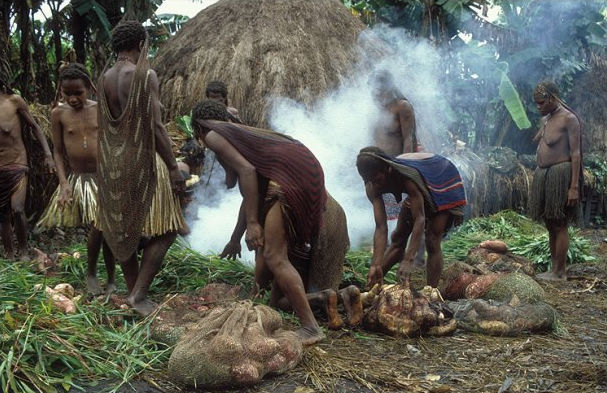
(261, 48)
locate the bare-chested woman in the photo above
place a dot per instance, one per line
(74, 203)
(14, 115)
(557, 180)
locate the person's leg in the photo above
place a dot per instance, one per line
(6, 233)
(130, 271)
(110, 267)
(286, 278)
(559, 246)
(18, 207)
(434, 235)
(398, 239)
(93, 246)
(151, 260)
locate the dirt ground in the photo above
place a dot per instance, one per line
(574, 361)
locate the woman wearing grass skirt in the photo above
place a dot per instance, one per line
(555, 193)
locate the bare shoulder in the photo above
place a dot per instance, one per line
(91, 104)
(18, 101)
(571, 118)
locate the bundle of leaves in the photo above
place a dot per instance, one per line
(523, 236)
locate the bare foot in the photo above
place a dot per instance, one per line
(350, 297)
(111, 288)
(552, 276)
(144, 307)
(92, 286)
(335, 320)
(310, 335)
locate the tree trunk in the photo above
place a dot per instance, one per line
(5, 71)
(26, 78)
(79, 34)
(45, 92)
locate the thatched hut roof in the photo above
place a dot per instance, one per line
(261, 48)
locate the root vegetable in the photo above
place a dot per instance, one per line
(245, 372)
(495, 246)
(65, 289)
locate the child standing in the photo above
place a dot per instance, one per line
(74, 203)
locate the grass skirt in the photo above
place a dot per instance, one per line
(165, 209)
(82, 210)
(548, 199)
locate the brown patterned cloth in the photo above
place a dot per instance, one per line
(287, 162)
(12, 177)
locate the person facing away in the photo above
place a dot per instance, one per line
(139, 180)
(74, 129)
(557, 181)
(14, 117)
(282, 185)
(434, 203)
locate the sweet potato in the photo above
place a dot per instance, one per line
(495, 246)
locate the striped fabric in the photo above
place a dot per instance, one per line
(441, 178)
(287, 162)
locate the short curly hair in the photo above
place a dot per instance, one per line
(75, 71)
(127, 35)
(210, 110)
(368, 165)
(217, 87)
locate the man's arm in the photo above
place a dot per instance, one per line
(406, 121)
(163, 142)
(25, 114)
(380, 236)
(416, 206)
(573, 131)
(247, 181)
(233, 249)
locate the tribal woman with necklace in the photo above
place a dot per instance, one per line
(74, 203)
(557, 181)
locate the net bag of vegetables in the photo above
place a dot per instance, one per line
(236, 344)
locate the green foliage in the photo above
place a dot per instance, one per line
(42, 348)
(356, 268)
(523, 236)
(184, 123)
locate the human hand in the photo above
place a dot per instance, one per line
(231, 250)
(375, 276)
(177, 181)
(254, 236)
(573, 196)
(404, 272)
(50, 164)
(65, 195)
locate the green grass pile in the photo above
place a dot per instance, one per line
(524, 237)
(42, 349)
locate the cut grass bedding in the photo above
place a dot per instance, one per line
(42, 349)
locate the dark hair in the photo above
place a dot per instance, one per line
(217, 87)
(193, 153)
(368, 165)
(75, 71)
(127, 35)
(209, 110)
(547, 89)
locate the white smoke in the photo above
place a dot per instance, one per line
(337, 126)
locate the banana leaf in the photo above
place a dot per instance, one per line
(512, 100)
